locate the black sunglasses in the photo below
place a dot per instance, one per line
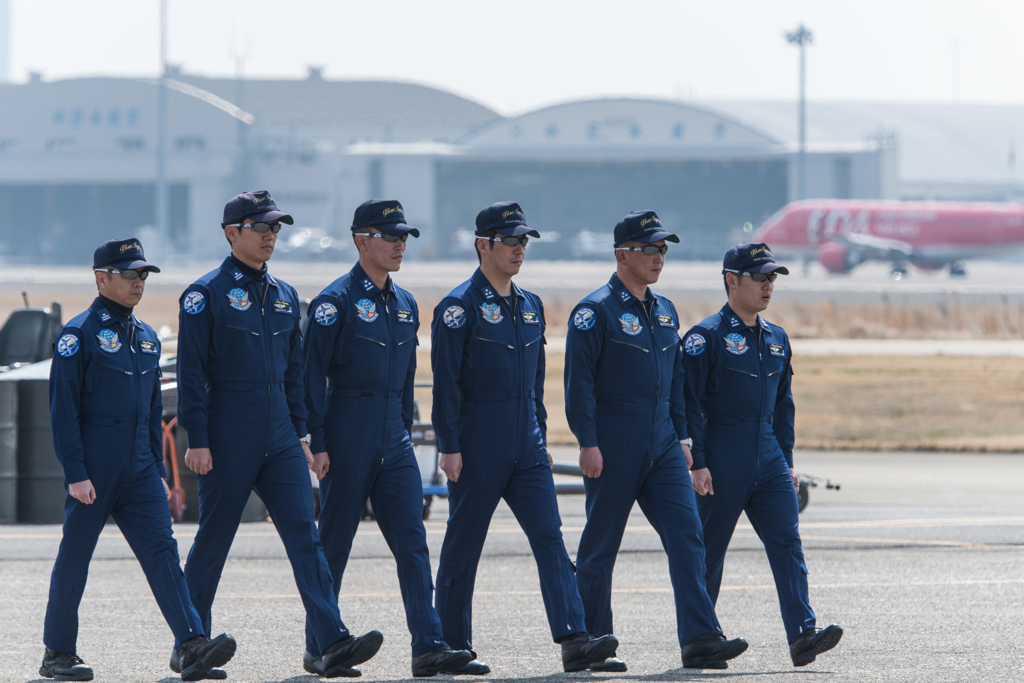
(650, 249)
(756, 277)
(387, 238)
(126, 274)
(261, 227)
(509, 241)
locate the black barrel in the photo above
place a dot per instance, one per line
(8, 452)
(41, 490)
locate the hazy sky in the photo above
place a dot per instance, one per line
(519, 55)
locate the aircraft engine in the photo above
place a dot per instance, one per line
(835, 257)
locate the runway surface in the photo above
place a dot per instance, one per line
(920, 557)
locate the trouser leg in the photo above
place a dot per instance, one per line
(718, 516)
(283, 484)
(145, 521)
(397, 497)
(531, 496)
(667, 499)
(773, 511)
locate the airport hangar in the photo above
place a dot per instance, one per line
(78, 163)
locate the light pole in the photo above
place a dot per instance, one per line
(802, 37)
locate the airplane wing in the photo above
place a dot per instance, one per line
(880, 247)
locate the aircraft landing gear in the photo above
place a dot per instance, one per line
(899, 271)
(956, 269)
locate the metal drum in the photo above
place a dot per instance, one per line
(8, 452)
(41, 490)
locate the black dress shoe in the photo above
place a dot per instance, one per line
(581, 650)
(610, 665)
(711, 650)
(199, 655)
(442, 660)
(474, 668)
(315, 665)
(340, 657)
(212, 674)
(62, 666)
(812, 642)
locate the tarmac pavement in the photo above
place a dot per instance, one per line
(919, 556)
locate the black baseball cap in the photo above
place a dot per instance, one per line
(122, 254)
(386, 215)
(504, 218)
(641, 226)
(752, 258)
(258, 206)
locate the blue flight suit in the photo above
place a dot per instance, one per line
(740, 411)
(240, 395)
(624, 394)
(360, 367)
(106, 411)
(487, 356)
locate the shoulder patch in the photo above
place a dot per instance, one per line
(455, 317)
(326, 314)
(68, 345)
(584, 319)
(194, 303)
(695, 344)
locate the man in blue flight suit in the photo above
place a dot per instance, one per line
(241, 402)
(624, 402)
(740, 413)
(105, 412)
(487, 354)
(360, 367)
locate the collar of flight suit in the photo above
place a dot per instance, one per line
(106, 317)
(366, 284)
(236, 274)
(623, 295)
(733, 322)
(481, 282)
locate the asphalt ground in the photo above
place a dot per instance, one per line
(920, 557)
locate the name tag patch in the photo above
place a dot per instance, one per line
(777, 350)
(530, 317)
(404, 316)
(147, 346)
(666, 321)
(282, 306)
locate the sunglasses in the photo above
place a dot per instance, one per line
(387, 238)
(756, 277)
(261, 227)
(126, 274)
(509, 241)
(650, 249)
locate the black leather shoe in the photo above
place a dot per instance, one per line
(812, 642)
(212, 674)
(442, 660)
(199, 655)
(474, 668)
(581, 650)
(711, 650)
(62, 666)
(340, 657)
(315, 665)
(610, 665)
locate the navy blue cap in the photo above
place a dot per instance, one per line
(752, 258)
(386, 215)
(258, 206)
(504, 218)
(123, 254)
(641, 226)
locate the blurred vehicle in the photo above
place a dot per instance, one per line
(27, 335)
(314, 244)
(842, 234)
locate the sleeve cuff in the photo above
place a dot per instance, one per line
(448, 445)
(300, 427)
(698, 460)
(588, 439)
(161, 469)
(789, 460)
(197, 439)
(75, 473)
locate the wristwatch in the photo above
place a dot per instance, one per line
(687, 442)
(307, 439)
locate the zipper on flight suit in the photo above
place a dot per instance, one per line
(391, 353)
(657, 370)
(519, 366)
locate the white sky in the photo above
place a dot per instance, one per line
(516, 56)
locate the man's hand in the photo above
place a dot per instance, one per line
(702, 481)
(321, 463)
(83, 492)
(689, 456)
(451, 465)
(591, 461)
(167, 489)
(551, 461)
(199, 460)
(796, 479)
(309, 455)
